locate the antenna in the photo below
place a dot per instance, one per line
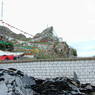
(4, 23)
(2, 7)
(2, 10)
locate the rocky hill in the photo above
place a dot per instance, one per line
(46, 35)
(48, 44)
(56, 48)
(8, 34)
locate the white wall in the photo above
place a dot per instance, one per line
(84, 69)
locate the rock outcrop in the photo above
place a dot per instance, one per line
(55, 47)
(46, 35)
(64, 50)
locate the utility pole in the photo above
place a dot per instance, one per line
(2, 7)
(2, 10)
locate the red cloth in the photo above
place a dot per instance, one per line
(3, 57)
(10, 57)
(7, 57)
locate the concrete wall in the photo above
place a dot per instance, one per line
(85, 69)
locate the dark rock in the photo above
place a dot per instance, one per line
(2, 79)
(12, 69)
(1, 74)
(20, 73)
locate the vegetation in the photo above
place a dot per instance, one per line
(74, 52)
(6, 46)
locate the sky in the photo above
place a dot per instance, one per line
(73, 20)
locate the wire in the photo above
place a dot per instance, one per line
(15, 28)
(2, 10)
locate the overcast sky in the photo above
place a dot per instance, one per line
(73, 20)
